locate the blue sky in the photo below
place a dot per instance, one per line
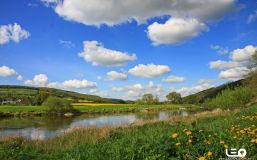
(140, 46)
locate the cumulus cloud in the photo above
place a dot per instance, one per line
(98, 12)
(113, 75)
(243, 54)
(224, 64)
(38, 80)
(174, 79)
(175, 30)
(252, 17)
(237, 65)
(12, 32)
(135, 91)
(220, 49)
(184, 91)
(7, 72)
(73, 84)
(95, 53)
(234, 73)
(149, 70)
(19, 78)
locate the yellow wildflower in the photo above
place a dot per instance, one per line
(209, 154)
(174, 135)
(177, 144)
(242, 131)
(226, 146)
(201, 158)
(222, 142)
(188, 132)
(253, 140)
(190, 140)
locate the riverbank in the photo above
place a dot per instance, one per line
(204, 135)
(12, 111)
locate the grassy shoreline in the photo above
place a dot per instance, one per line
(208, 131)
(10, 111)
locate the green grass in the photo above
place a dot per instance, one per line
(229, 99)
(10, 109)
(92, 109)
(148, 142)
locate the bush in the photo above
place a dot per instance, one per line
(56, 104)
(231, 98)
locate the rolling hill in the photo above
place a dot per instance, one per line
(30, 94)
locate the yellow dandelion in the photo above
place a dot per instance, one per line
(201, 158)
(209, 154)
(175, 135)
(178, 144)
(188, 132)
(242, 131)
(253, 140)
(190, 140)
(222, 142)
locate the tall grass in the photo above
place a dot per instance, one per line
(229, 98)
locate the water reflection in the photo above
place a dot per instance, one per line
(47, 127)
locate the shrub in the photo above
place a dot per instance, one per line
(231, 98)
(56, 104)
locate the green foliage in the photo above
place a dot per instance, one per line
(56, 104)
(148, 99)
(231, 98)
(174, 98)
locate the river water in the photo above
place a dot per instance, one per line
(40, 128)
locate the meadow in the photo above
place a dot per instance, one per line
(202, 136)
(93, 108)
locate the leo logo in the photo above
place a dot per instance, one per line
(233, 152)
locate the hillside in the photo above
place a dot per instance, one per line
(31, 95)
(200, 97)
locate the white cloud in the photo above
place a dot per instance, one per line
(66, 44)
(175, 30)
(113, 75)
(220, 49)
(95, 52)
(117, 89)
(243, 54)
(135, 91)
(234, 73)
(149, 70)
(252, 17)
(73, 84)
(224, 64)
(116, 12)
(193, 12)
(12, 32)
(184, 91)
(174, 79)
(19, 78)
(38, 80)
(206, 81)
(7, 72)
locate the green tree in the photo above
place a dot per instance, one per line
(56, 104)
(148, 99)
(174, 97)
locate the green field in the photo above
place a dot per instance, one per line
(103, 108)
(205, 135)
